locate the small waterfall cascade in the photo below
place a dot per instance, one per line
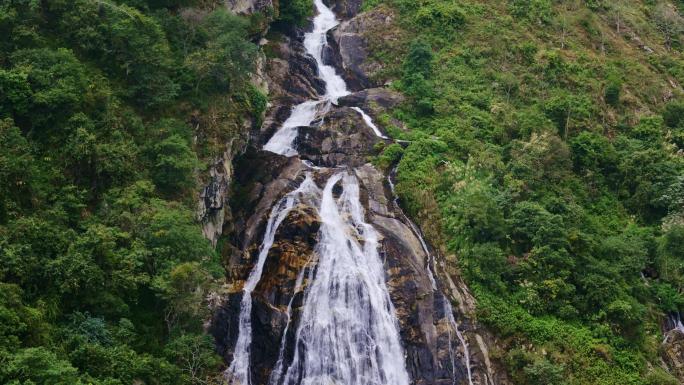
(239, 372)
(346, 331)
(335, 87)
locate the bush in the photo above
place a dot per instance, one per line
(673, 115)
(612, 92)
(294, 12)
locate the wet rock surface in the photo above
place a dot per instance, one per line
(340, 139)
(345, 9)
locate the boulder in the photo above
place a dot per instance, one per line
(351, 42)
(341, 138)
(248, 7)
(345, 9)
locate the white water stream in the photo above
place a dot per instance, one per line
(335, 87)
(674, 322)
(238, 372)
(369, 122)
(348, 333)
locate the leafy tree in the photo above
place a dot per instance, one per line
(195, 355)
(174, 165)
(294, 12)
(673, 115)
(16, 165)
(417, 72)
(227, 58)
(38, 366)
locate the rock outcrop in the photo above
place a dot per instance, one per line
(337, 140)
(673, 353)
(351, 41)
(211, 210)
(345, 9)
(246, 7)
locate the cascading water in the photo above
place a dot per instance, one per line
(302, 115)
(369, 122)
(449, 312)
(348, 333)
(335, 87)
(278, 371)
(674, 322)
(238, 372)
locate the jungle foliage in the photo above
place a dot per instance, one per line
(546, 158)
(104, 271)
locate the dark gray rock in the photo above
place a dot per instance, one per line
(351, 40)
(345, 9)
(341, 138)
(373, 99)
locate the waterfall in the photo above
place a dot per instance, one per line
(302, 115)
(369, 122)
(348, 333)
(277, 372)
(449, 312)
(315, 41)
(238, 372)
(674, 322)
(335, 87)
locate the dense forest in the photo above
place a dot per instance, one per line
(543, 154)
(546, 157)
(103, 267)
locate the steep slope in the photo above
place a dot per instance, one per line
(110, 113)
(544, 156)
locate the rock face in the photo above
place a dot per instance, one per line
(212, 208)
(244, 7)
(673, 353)
(351, 41)
(338, 140)
(292, 76)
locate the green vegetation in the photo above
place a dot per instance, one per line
(104, 271)
(545, 153)
(294, 12)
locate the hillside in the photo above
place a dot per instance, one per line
(546, 160)
(348, 192)
(110, 115)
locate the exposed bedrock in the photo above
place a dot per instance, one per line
(339, 139)
(246, 7)
(345, 9)
(350, 45)
(673, 350)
